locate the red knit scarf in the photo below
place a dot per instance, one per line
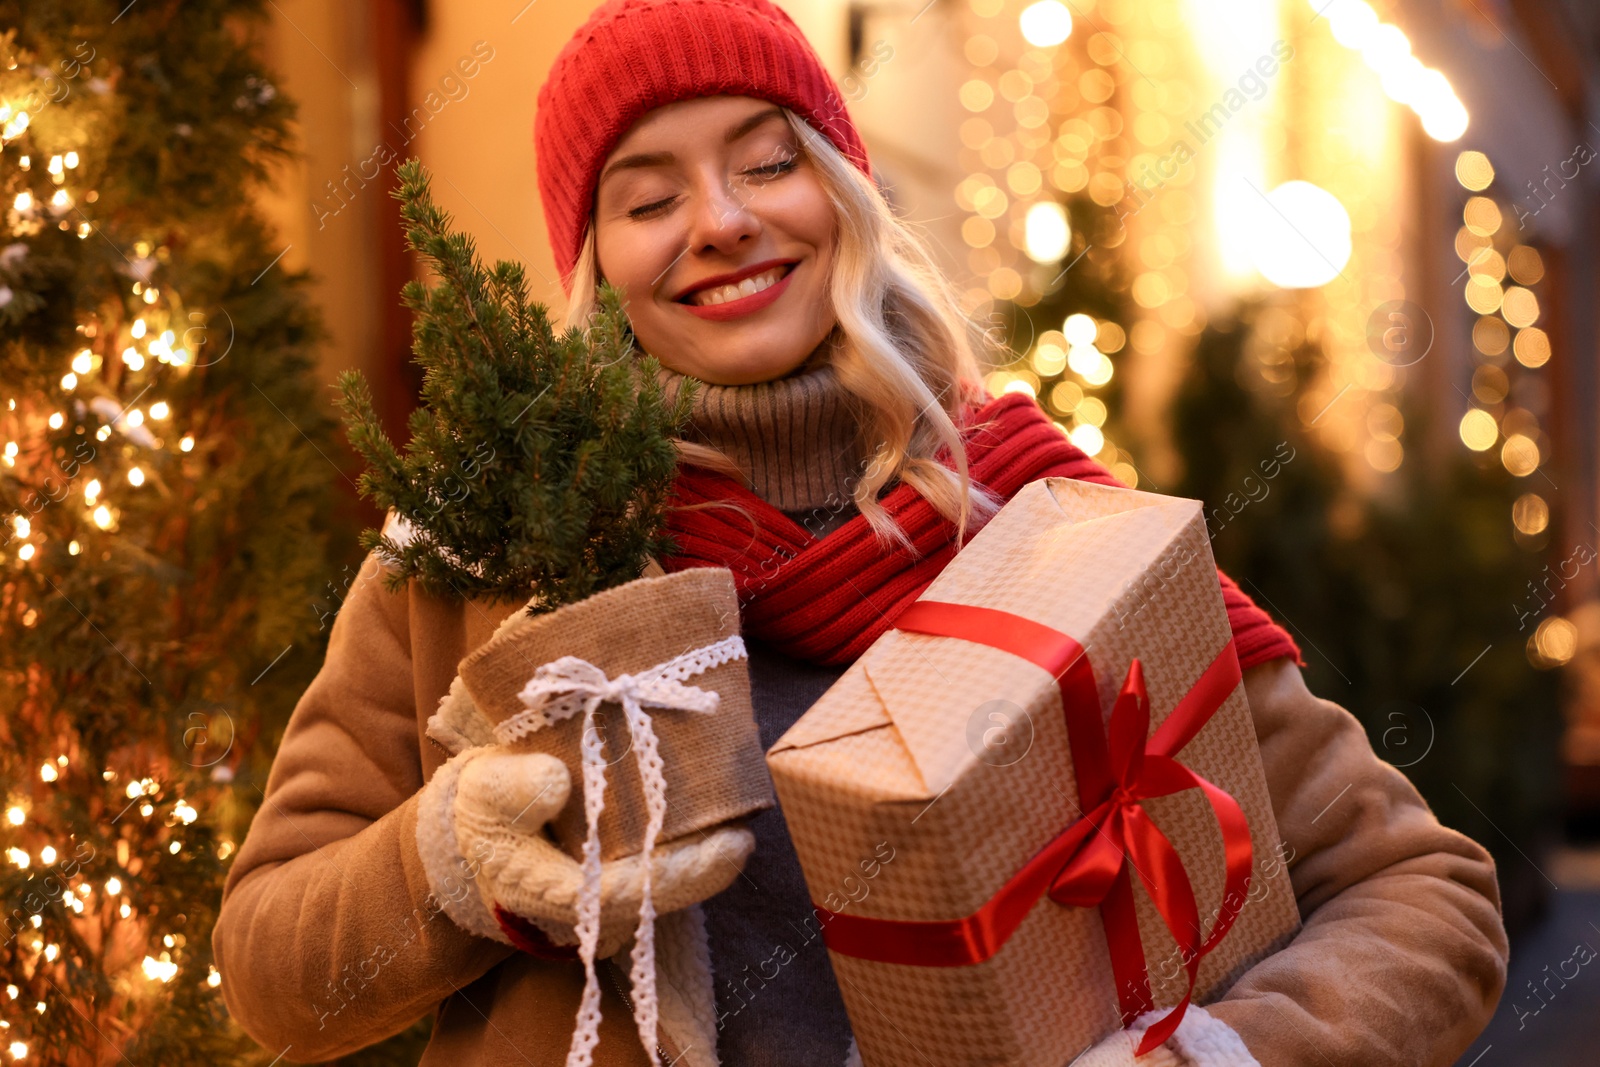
(827, 599)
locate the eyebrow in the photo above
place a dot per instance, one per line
(655, 159)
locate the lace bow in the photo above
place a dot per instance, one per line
(561, 689)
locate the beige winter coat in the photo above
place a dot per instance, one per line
(328, 939)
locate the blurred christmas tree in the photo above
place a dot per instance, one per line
(1403, 603)
(1064, 339)
(165, 513)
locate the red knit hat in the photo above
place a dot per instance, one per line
(634, 55)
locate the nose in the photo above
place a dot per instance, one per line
(722, 215)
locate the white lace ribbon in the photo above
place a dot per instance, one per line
(561, 689)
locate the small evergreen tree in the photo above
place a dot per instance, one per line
(537, 463)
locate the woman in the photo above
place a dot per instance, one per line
(695, 153)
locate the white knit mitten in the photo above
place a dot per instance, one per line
(1201, 1040)
(480, 827)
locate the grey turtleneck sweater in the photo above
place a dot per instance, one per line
(778, 1003)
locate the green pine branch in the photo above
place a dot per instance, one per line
(537, 464)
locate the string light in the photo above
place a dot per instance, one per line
(160, 970)
(1387, 52)
(1553, 643)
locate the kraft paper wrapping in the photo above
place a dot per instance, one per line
(955, 756)
(712, 762)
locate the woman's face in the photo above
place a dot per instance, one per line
(705, 194)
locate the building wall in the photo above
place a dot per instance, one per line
(323, 58)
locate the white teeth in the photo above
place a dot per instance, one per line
(724, 293)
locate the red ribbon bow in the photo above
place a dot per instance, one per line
(1087, 864)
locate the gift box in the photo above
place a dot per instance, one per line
(1036, 806)
(672, 641)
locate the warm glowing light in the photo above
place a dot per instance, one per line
(187, 444)
(15, 816)
(102, 517)
(159, 410)
(1046, 23)
(56, 420)
(47, 855)
(18, 857)
(1474, 171)
(1301, 236)
(1385, 47)
(1445, 121)
(1525, 264)
(1532, 347)
(1478, 430)
(1046, 232)
(1520, 307)
(1482, 216)
(113, 886)
(49, 773)
(69, 382)
(1079, 330)
(135, 476)
(1554, 642)
(1520, 455)
(1088, 438)
(163, 970)
(1049, 360)
(25, 553)
(1352, 22)
(1530, 514)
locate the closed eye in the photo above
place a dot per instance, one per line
(769, 172)
(773, 170)
(650, 209)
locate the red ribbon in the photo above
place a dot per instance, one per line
(1087, 864)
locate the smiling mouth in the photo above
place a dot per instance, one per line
(723, 294)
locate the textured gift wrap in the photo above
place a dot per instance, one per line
(712, 762)
(956, 756)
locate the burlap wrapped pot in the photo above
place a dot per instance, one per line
(713, 763)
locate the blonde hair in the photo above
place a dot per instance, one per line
(905, 354)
